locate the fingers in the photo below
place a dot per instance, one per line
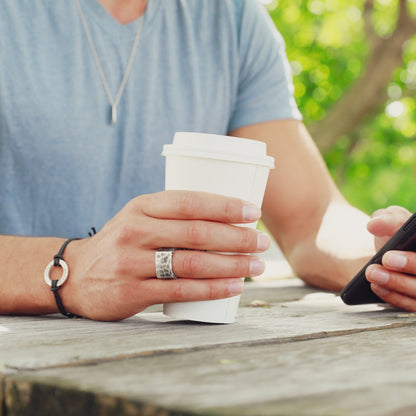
(192, 264)
(202, 235)
(212, 265)
(150, 233)
(385, 222)
(197, 205)
(396, 299)
(186, 290)
(194, 220)
(394, 281)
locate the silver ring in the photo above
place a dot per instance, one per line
(64, 276)
(163, 263)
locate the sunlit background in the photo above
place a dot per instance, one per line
(328, 43)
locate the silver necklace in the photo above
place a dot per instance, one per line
(113, 103)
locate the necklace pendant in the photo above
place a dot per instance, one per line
(113, 114)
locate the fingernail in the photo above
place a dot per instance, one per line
(263, 241)
(257, 266)
(236, 287)
(396, 261)
(251, 212)
(379, 276)
(380, 291)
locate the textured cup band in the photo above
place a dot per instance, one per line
(163, 263)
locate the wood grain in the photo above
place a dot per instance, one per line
(305, 354)
(303, 314)
(368, 373)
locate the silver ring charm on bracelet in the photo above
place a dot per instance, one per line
(62, 280)
(163, 263)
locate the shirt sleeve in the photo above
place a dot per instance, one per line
(265, 88)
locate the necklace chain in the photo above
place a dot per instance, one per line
(113, 103)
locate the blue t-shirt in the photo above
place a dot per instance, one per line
(201, 65)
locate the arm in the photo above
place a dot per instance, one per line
(323, 237)
(22, 262)
(112, 273)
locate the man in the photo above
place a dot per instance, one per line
(89, 92)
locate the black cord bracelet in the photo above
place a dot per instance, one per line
(58, 261)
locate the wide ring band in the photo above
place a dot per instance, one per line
(163, 263)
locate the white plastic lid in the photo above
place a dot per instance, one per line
(214, 146)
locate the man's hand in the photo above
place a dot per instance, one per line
(395, 280)
(112, 273)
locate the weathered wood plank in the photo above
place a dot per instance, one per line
(27, 399)
(367, 373)
(2, 399)
(35, 342)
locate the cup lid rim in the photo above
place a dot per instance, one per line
(173, 150)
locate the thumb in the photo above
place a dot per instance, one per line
(385, 222)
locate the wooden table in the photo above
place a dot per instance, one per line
(306, 354)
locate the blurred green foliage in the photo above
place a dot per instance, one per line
(327, 47)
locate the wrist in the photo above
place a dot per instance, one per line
(24, 290)
(56, 283)
(70, 290)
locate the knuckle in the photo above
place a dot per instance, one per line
(196, 233)
(398, 283)
(229, 210)
(236, 266)
(211, 292)
(147, 204)
(123, 234)
(186, 204)
(248, 241)
(241, 266)
(191, 264)
(129, 232)
(121, 266)
(136, 204)
(177, 292)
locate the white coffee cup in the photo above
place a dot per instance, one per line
(224, 165)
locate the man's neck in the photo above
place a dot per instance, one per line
(124, 11)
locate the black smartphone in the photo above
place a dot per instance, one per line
(358, 290)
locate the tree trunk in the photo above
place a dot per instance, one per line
(367, 93)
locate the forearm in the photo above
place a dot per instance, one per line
(323, 237)
(22, 263)
(334, 251)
